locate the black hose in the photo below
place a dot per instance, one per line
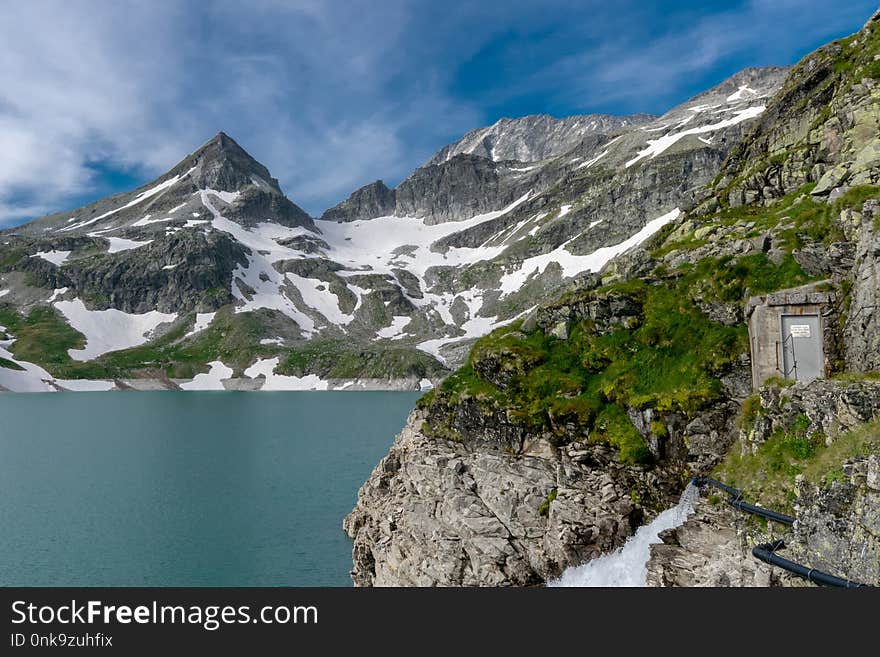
(766, 552)
(761, 511)
(736, 502)
(699, 482)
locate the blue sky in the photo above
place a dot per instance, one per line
(99, 96)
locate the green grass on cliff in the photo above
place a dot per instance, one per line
(671, 361)
(731, 280)
(767, 477)
(42, 336)
(856, 57)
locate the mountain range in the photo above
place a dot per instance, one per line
(209, 276)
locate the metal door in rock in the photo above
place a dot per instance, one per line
(802, 357)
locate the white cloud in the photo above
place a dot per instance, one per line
(302, 86)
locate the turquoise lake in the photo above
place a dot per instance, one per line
(186, 488)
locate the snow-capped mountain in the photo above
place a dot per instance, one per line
(210, 273)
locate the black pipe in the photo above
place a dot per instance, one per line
(699, 482)
(736, 502)
(766, 552)
(761, 511)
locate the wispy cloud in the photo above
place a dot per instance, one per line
(331, 95)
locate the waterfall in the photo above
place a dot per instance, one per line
(627, 566)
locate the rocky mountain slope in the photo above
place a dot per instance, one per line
(569, 427)
(210, 277)
(536, 137)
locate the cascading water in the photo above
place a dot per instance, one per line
(627, 566)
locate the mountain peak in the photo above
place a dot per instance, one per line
(223, 142)
(222, 164)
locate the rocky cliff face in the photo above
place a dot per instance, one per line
(710, 549)
(862, 328)
(838, 527)
(373, 200)
(820, 128)
(487, 517)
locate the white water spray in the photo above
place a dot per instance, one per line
(627, 566)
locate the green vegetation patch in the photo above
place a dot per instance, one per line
(728, 279)
(42, 337)
(796, 220)
(9, 365)
(544, 507)
(9, 257)
(767, 476)
(337, 359)
(671, 361)
(613, 426)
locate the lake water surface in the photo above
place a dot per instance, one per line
(186, 488)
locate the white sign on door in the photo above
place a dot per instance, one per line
(800, 330)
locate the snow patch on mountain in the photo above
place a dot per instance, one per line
(741, 93)
(33, 378)
(266, 367)
(111, 329)
(572, 264)
(657, 146)
(377, 245)
(211, 380)
(316, 294)
(57, 258)
(475, 327)
(57, 292)
(146, 221)
(118, 244)
(592, 161)
(203, 321)
(263, 285)
(395, 330)
(143, 196)
(85, 385)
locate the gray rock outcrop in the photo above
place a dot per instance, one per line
(535, 137)
(373, 200)
(440, 513)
